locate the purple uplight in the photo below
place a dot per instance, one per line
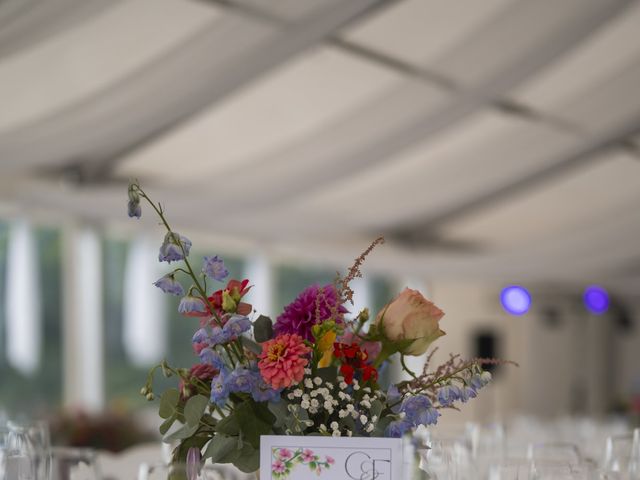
(596, 299)
(515, 300)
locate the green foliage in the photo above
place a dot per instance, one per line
(220, 447)
(263, 329)
(194, 409)
(254, 419)
(169, 403)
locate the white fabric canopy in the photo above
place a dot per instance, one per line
(490, 139)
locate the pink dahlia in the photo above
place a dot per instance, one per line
(283, 359)
(300, 315)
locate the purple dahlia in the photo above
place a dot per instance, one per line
(300, 315)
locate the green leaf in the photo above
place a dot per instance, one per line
(169, 402)
(185, 431)
(382, 425)
(376, 408)
(251, 345)
(280, 412)
(251, 425)
(229, 425)
(247, 459)
(194, 409)
(166, 425)
(220, 447)
(263, 329)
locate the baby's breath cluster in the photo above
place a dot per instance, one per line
(338, 409)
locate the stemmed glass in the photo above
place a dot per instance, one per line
(74, 464)
(622, 456)
(177, 472)
(20, 455)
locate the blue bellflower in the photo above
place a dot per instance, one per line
(237, 325)
(212, 358)
(213, 267)
(170, 250)
(241, 380)
(191, 306)
(397, 429)
(447, 395)
(262, 391)
(218, 336)
(134, 209)
(219, 390)
(169, 284)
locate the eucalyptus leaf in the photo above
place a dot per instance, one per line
(180, 434)
(229, 425)
(280, 412)
(166, 425)
(169, 403)
(251, 425)
(247, 459)
(194, 409)
(220, 447)
(263, 329)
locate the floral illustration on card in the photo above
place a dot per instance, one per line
(285, 460)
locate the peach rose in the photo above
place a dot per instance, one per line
(411, 316)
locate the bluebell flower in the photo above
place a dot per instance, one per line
(413, 406)
(218, 336)
(476, 382)
(170, 250)
(397, 429)
(241, 380)
(169, 284)
(486, 377)
(201, 336)
(213, 267)
(393, 397)
(219, 390)
(192, 306)
(134, 209)
(427, 416)
(237, 325)
(447, 395)
(467, 392)
(262, 391)
(212, 358)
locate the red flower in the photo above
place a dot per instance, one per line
(353, 359)
(237, 290)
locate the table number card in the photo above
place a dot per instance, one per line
(330, 458)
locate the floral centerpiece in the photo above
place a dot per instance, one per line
(311, 372)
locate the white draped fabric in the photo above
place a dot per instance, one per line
(23, 308)
(144, 316)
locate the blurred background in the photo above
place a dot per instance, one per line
(493, 143)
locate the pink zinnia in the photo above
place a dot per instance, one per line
(278, 466)
(300, 315)
(282, 360)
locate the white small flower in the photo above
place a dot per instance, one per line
(343, 386)
(336, 433)
(363, 419)
(297, 393)
(328, 405)
(365, 404)
(329, 385)
(334, 426)
(317, 381)
(355, 385)
(342, 413)
(307, 371)
(349, 433)
(315, 403)
(314, 393)
(322, 427)
(305, 396)
(366, 389)
(290, 396)
(369, 428)
(350, 408)
(374, 419)
(308, 383)
(354, 414)
(305, 404)
(313, 410)
(340, 378)
(366, 397)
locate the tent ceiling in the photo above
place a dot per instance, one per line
(486, 138)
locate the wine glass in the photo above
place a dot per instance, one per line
(622, 456)
(177, 472)
(74, 464)
(20, 454)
